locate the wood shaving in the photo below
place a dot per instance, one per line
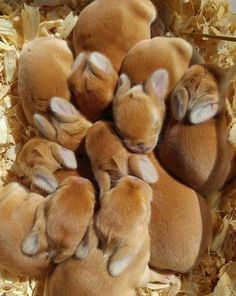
(21, 21)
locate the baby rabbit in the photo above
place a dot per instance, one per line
(44, 67)
(110, 27)
(66, 125)
(175, 55)
(125, 240)
(62, 220)
(110, 160)
(89, 277)
(195, 147)
(104, 33)
(39, 159)
(139, 111)
(17, 209)
(129, 206)
(180, 225)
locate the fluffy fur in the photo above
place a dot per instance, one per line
(100, 46)
(17, 210)
(174, 55)
(39, 159)
(44, 67)
(139, 111)
(110, 160)
(195, 146)
(66, 125)
(62, 220)
(180, 225)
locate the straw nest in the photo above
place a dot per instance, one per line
(210, 26)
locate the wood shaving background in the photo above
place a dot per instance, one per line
(21, 21)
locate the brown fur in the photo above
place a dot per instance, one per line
(139, 111)
(126, 233)
(110, 160)
(199, 154)
(39, 159)
(17, 210)
(180, 226)
(104, 33)
(44, 67)
(123, 235)
(66, 125)
(62, 220)
(147, 56)
(93, 81)
(110, 27)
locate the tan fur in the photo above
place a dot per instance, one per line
(65, 125)
(139, 111)
(17, 210)
(104, 33)
(199, 154)
(39, 159)
(110, 160)
(110, 27)
(180, 226)
(123, 235)
(126, 233)
(172, 54)
(93, 81)
(62, 220)
(44, 67)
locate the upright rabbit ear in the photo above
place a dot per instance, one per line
(36, 241)
(179, 103)
(65, 156)
(142, 167)
(63, 110)
(123, 86)
(99, 63)
(45, 127)
(157, 84)
(204, 111)
(44, 179)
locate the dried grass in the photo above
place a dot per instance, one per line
(209, 25)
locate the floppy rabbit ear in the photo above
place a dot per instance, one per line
(123, 86)
(157, 84)
(142, 167)
(99, 63)
(45, 127)
(179, 103)
(63, 110)
(204, 111)
(65, 156)
(121, 259)
(36, 241)
(44, 179)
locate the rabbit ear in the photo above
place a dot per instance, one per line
(89, 242)
(204, 111)
(157, 85)
(45, 127)
(99, 63)
(123, 86)
(65, 156)
(80, 61)
(63, 110)
(44, 179)
(121, 259)
(142, 167)
(179, 103)
(36, 241)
